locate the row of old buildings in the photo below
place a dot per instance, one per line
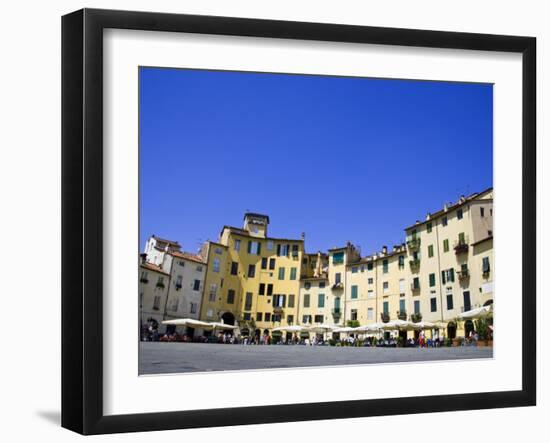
(258, 282)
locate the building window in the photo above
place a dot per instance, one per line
(370, 314)
(246, 316)
(354, 291)
(258, 316)
(261, 290)
(181, 263)
(467, 301)
(337, 258)
(291, 300)
(448, 275)
(231, 296)
(429, 227)
(337, 278)
(143, 278)
(402, 305)
(282, 250)
(212, 293)
(416, 283)
(369, 266)
(251, 271)
(290, 319)
(446, 245)
(218, 251)
(354, 314)
(450, 302)
(237, 245)
(234, 268)
(295, 250)
(156, 303)
(248, 301)
(271, 264)
(254, 247)
(354, 269)
(459, 214)
(432, 280)
(279, 300)
(401, 285)
(385, 287)
(319, 319)
(321, 300)
(269, 289)
(175, 304)
(293, 273)
(482, 211)
(199, 268)
(216, 265)
(210, 313)
(430, 250)
(370, 280)
(179, 281)
(264, 262)
(444, 221)
(281, 273)
(306, 319)
(306, 300)
(267, 316)
(321, 284)
(269, 245)
(196, 285)
(433, 304)
(370, 293)
(384, 266)
(386, 307)
(417, 306)
(192, 308)
(485, 266)
(401, 262)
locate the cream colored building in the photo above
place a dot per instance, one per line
(153, 291)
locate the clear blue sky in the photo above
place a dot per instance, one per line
(338, 158)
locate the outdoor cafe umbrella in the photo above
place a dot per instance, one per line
(345, 329)
(294, 328)
(222, 326)
(400, 325)
(375, 327)
(189, 322)
(482, 312)
(322, 328)
(426, 325)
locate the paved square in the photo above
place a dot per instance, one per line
(169, 358)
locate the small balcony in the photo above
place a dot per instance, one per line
(160, 285)
(415, 287)
(413, 243)
(416, 317)
(461, 247)
(336, 313)
(402, 315)
(385, 317)
(144, 280)
(278, 309)
(338, 285)
(178, 286)
(414, 264)
(463, 274)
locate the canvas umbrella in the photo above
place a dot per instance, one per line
(222, 326)
(189, 322)
(482, 312)
(400, 325)
(294, 328)
(322, 328)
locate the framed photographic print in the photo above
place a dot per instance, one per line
(268, 221)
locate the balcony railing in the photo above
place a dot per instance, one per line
(385, 317)
(463, 274)
(413, 243)
(144, 280)
(461, 247)
(414, 264)
(338, 285)
(278, 309)
(416, 317)
(402, 315)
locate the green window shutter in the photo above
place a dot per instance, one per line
(259, 248)
(443, 279)
(452, 276)
(354, 291)
(432, 279)
(249, 246)
(430, 250)
(281, 273)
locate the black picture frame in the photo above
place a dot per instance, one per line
(82, 215)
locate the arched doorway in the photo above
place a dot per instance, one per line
(451, 330)
(468, 327)
(228, 318)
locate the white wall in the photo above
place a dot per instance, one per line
(30, 184)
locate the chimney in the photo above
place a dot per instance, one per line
(428, 216)
(445, 207)
(384, 249)
(303, 236)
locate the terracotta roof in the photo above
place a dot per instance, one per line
(442, 212)
(171, 242)
(188, 256)
(152, 267)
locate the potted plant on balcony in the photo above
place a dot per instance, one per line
(385, 317)
(402, 315)
(416, 317)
